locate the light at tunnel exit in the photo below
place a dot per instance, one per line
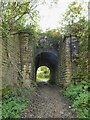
(43, 74)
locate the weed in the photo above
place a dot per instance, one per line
(79, 96)
(15, 102)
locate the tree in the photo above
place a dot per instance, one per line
(15, 14)
(73, 15)
(75, 23)
(18, 15)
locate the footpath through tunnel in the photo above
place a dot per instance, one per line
(49, 60)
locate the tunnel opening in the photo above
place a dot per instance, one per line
(49, 60)
(43, 74)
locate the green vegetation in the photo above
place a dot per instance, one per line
(15, 17)
(0, 110)
(50, 38)
(77, 91)
(14, 102)
(43, 74)
(12, 106)
(78, 94)
(18, 16)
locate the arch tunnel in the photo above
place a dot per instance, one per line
(51, 61)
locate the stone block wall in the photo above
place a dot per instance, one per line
(0, 60)
(62, 62)
(27, 57)
(17, 59)
(68, 74)
(65, 62)
(10, 60)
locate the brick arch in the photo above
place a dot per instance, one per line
(50, 60)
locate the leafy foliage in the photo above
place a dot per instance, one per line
(75, 23)
(43, 73)
(79, 96)
(12, 106)
(15, 102)
(18, 15)
(49, 39)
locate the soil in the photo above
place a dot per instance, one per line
(48, 102)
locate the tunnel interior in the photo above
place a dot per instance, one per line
(50, 60)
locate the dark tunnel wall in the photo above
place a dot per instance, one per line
(50, 60)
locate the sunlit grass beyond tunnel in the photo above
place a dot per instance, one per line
(43, 74)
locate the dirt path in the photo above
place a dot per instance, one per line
(48, 102)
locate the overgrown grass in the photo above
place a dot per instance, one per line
(79, 96)
(15, 102)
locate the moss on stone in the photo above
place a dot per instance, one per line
(6, 90)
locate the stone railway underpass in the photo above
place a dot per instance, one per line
(22, 56)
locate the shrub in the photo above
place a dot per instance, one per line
(79, 97)
(14, 102)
